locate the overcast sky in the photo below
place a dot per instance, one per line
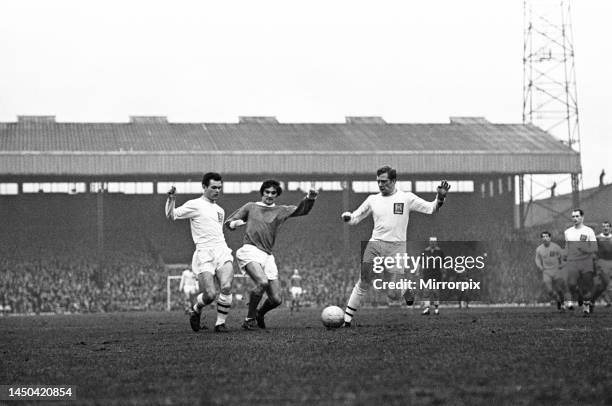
(301, 61)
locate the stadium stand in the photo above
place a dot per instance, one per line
(93, 250)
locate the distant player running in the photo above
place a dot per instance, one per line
(263, 220)
(212, 257)
(390, 210)
(296, 290)
(432, 269)
(548, 260)
(189, 287)
(580, 245)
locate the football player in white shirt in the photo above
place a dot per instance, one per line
(390, 210)
(580, 245)
(189, 287)
(212, 257)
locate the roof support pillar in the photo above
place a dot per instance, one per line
(575, 190)
(521, 202)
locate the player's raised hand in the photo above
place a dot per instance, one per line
(172, 192)
(346, 216)
(312, 194)
(443, 188)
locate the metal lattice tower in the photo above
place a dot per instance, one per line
(550, 98)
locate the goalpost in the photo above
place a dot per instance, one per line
(179, 268)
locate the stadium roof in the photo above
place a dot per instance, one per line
(38, 145)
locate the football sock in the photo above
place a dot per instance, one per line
(224, 302)
(199, 303)
(353, 304)
(254, 300)
(267, 306)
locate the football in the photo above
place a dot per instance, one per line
(332, 317)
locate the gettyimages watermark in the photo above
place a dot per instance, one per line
(442, 270)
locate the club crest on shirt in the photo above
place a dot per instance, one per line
(398, 208)
(583, 237)
(220, 217)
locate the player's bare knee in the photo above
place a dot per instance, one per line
(226, 290)
(263, 285)
(209, 294)
(276, 300)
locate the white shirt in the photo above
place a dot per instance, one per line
(576, 237)
(206, 220)
(391, 213)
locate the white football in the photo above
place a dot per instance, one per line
(332, 317)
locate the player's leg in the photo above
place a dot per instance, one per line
(298, 294)
(274, 300)
(435, 296)
(573, 275)
(293, 298)
(358, 292)
(206, 296)
(225, 276)
(604, 269)
(257, 275)
(547, 282)
(559, 290)
(273, 290)
(586, 285)
(187, 300)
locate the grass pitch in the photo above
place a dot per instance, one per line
(395, 356)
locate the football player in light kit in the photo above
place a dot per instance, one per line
(548, 260)
(390, 210)
(212, 257)
(262, 221)
(189, 287)
(432, 270)
(296, 290)
(580, 246)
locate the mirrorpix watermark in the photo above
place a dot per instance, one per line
(426, 284)
(450, 266)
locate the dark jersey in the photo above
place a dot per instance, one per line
(432, 263)
(604, 246)
(263, 221)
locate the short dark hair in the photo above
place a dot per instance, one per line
(580, 211)
(271, 183)
(388, 170)
(606, 222)
(211, 176)
(545, 232)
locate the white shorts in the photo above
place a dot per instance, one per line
(210, 259)
(191, 289)
(296, 290)
(249, 253)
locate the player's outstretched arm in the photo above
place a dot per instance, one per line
(170, 203)
(238, 218)
(358, 215)
(304, 207)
